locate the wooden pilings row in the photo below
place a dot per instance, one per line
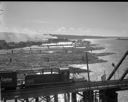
(87, 96)
(108, 95)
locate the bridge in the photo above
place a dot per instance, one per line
(74, 87)
(91, 91)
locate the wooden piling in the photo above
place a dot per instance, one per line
(108, 96)
(15, 99)
(56, 98)
(68, 97)
(88, 96)
(0, 89)
(37, 99)
(4, 100)
(95, 96)
(74, 98)
(47, 98)
(27, 100)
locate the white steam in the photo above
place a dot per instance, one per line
(18, 34)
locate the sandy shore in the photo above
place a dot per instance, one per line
(58, 58)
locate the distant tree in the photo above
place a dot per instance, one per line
(3, 44)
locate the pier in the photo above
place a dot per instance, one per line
(106, 91)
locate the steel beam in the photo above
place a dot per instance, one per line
(117, 66)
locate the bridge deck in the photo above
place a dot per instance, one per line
(69, 87)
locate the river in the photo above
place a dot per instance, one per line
(119, 47)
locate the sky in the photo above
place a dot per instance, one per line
(78, 18)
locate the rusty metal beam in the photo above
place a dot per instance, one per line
(125, 73)
(117, 66)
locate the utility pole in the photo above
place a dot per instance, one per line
(0, 89)
(89, 92)
(87, 66)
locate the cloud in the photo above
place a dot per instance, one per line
(17, 35)
(61, 30)
(87, 31)
(37, 21)
(72, 30)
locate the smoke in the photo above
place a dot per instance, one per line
(17, 35)
(21, 34)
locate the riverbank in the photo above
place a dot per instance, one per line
(51, 56)
(47, 58)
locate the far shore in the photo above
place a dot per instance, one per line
(16, 59)
(58, 59)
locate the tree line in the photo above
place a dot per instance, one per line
(21, 44)
(11, 45)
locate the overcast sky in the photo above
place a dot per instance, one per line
(86, 18)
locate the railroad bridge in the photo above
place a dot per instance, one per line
(91, 91)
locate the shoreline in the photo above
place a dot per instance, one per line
(28, 60)
(59, 57)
